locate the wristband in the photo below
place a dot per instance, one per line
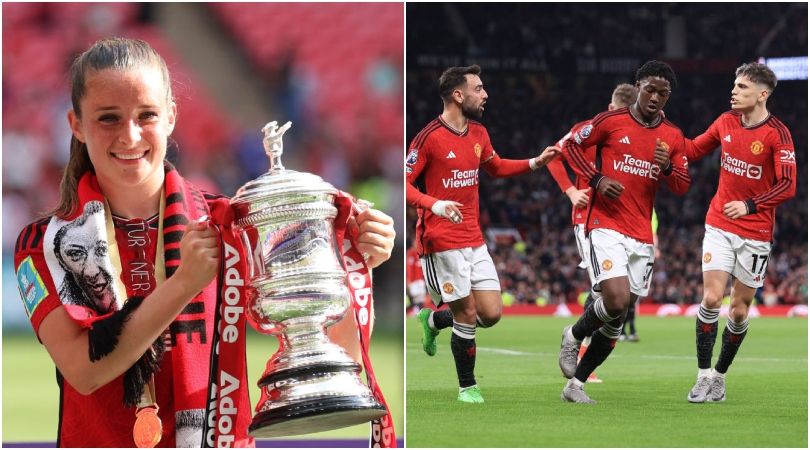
(750, 206)
(594, 183)
(668, 169)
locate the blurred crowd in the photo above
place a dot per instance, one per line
(534, 101)
(347, 118)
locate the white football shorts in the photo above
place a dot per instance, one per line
(452, 274)
(745, 259)
(584, 249)
(615, 255)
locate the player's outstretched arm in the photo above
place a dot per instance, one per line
(499, 167)
(549, 154)
(697, 148)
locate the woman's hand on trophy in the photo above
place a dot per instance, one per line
(376, 236)
(199, 255)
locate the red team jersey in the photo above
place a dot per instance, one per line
(80, 416)
(444, 164)
(560, 175)
(757, 166)
(624, 152)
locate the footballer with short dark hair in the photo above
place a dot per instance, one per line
(637, 149)
(443, 160)
(578, 193)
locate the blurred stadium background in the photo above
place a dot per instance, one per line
(548, 66)
(333, 69)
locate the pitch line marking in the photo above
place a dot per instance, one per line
(503, 351)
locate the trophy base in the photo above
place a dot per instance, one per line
(315, 415)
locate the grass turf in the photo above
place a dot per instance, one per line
(642, 402)
(31, 396)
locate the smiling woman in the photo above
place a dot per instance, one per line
(121, 282)
(126, 137)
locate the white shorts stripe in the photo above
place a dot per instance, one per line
(431, 273)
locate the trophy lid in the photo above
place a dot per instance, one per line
(281, 185)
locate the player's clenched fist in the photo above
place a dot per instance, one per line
(661, 156)
(610, 188)
(448, 209)
(199, 255)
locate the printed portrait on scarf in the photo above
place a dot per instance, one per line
(82, 270)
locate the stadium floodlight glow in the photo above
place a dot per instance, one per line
(791, 68)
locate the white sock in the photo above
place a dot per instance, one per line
(704, 372)
(462, 389)
(431, 325)
(716, 374)
(571, 334)
(573, 382)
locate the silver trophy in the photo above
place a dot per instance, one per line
(298, 288)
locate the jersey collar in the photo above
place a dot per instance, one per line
(453, 130)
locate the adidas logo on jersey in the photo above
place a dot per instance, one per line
(451, 155)
(727, 138)
(625, 140)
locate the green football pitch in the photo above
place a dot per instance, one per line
(642, 402)
(31, 397)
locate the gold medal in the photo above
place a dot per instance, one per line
(148, 428)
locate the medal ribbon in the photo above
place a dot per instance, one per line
(142, 278)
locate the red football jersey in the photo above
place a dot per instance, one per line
(624, 152)
(758, 166)
(99, 419)
(560, 175)
(444, 163)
